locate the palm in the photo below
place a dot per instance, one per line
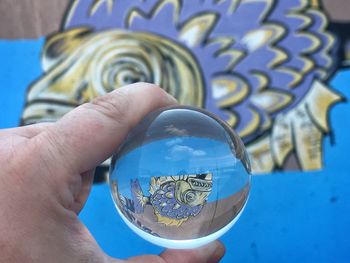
(46, 178)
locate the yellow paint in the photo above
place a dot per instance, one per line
(194, 31)
(253, 125)
(235, 55)
(319, 101)
(87, 66)
(260, 152)
(170, 221)
(236, 91)
(97, 4)
(315, 3)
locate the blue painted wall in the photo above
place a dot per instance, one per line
(290, 217)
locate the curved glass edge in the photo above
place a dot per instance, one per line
(181, 244)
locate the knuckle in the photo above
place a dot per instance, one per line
(46, 144)
(48, 138)
(51, 149)
(153, 89)
(114, 106)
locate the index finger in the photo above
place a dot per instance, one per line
(91, 133)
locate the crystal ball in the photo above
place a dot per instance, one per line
(181, 178)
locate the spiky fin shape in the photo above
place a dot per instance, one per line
(97, 4)
(300, 130)
(259, 58)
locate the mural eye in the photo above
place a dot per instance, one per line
(128, 76)
(117, 69)
(189, 196)
(123, 73)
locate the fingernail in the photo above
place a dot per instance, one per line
(171, 99)
(215, 251)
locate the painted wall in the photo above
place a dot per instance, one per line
(290, 216)
(261, 66)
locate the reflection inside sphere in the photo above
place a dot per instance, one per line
(181, 178)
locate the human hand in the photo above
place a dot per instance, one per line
(46, 175)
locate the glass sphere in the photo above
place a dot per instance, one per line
(181, 178)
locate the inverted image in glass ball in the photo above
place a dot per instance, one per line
(181, 178)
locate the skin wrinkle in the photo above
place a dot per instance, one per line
(7, 151)
(55, 146)
(85, 187)
(46, 161)
(10, 150)
(74, 186)
(27, 132)
(47, 181)
(71, 185)
(115, 110)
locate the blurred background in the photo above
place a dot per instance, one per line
(276, 71)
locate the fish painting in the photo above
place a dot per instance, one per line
(263, 66)
(174, 199)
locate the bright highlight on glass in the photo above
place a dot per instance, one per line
(181, 179)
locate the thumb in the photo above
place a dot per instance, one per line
(210, 253)
(89, 134)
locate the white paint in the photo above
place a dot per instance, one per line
(255, 40)
(219, 91)
(191, 36)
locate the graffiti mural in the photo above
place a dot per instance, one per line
(263, 66)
